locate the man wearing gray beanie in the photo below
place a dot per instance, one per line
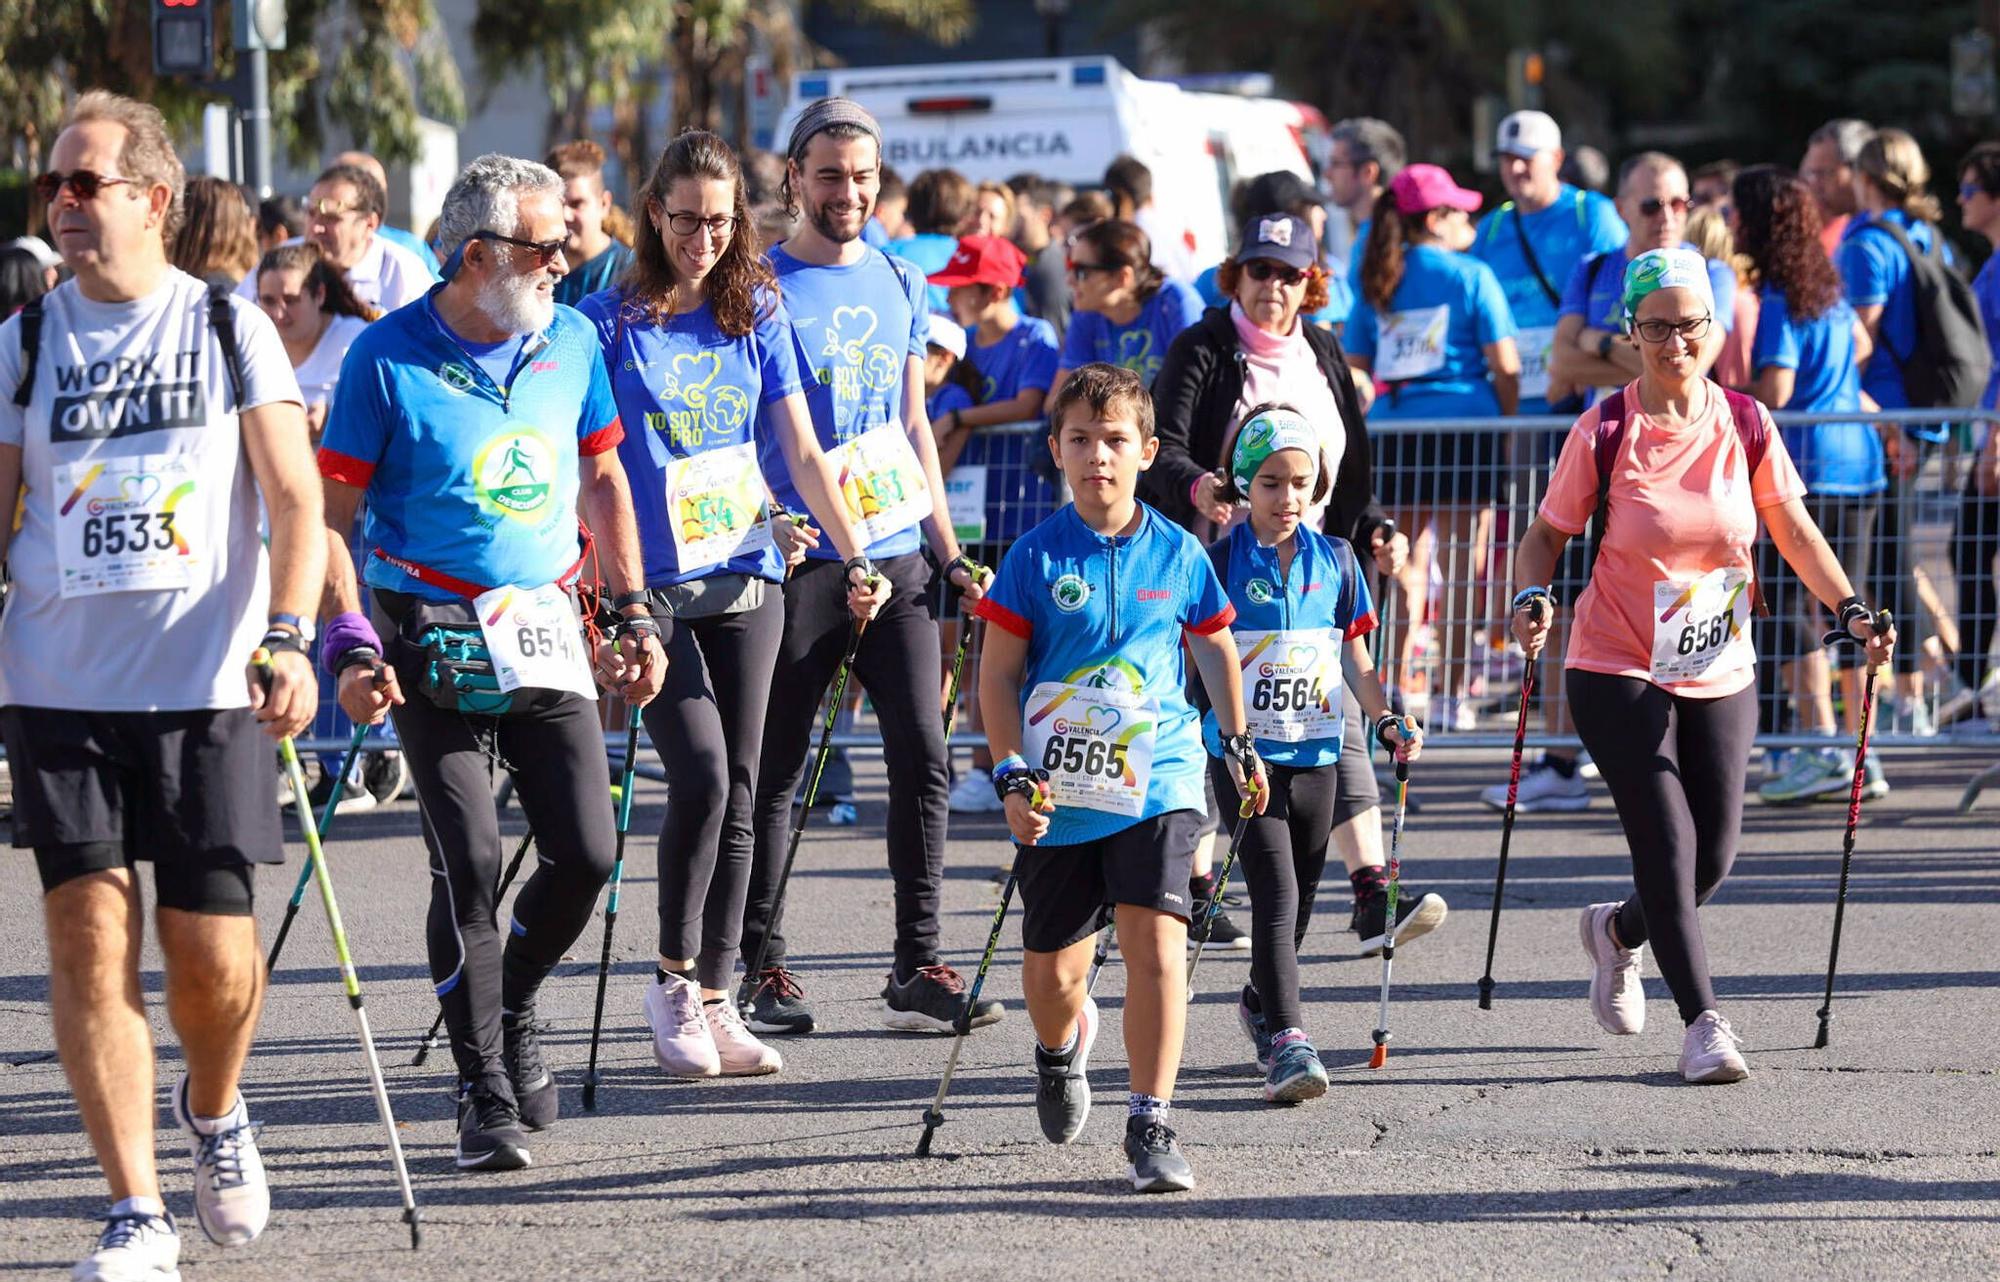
(860, 325)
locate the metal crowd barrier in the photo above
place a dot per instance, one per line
(1464, 490)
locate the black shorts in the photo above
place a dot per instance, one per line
(192, 792)
(1064, 887)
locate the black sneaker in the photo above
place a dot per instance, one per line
(1222, 933)
(1416, 915)
(1062, 1091)
(385, 775)
(778, 1004)
(534, 1085)
(1157, 1164)
(489, 1132)
(931, 1000)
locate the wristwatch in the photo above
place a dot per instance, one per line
(297, 622)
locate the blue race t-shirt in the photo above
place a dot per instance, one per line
(1430, 344)
(470, 477)
(949, 396)
(1986, 288)
(1325, 591)
(1832, 458)
(1875, 270)
(1104, 611)
(854, 330)
(593, 275)
(688, 388)
(1016, 498)
(1141, 346)
(928, 252)
(1579, 223)
(1339, 296)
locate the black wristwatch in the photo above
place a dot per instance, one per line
(626, 600)
(277, 639)
(303, 624)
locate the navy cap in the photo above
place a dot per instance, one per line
(1283, 238)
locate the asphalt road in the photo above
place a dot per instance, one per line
(1518, 1142)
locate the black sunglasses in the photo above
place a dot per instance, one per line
(545, 251)
(85, 183)
(1263, 269)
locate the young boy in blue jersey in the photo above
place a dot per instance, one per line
(1302, 608)
(1084, 674)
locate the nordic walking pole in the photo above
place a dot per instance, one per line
(1107, 929)
(838, 693)
(1507, 824)
(1381, 1054)
(429, 1044)
(1882, 623)
(317, 861)
(976, 570)
(325, 826)
(611, 904)
(934, 1115)
(1244, 813)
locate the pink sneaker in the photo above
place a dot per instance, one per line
(742, 1055)
(1617, 998)
(681, 1040)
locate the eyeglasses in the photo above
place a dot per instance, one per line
(1082, 270)
(83, 182)
(330, 209)
(545, 251)
(1659, 331)
(1263, 269)
(686, 223)
(1650, 207)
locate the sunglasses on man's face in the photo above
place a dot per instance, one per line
(85, 183)
(1263, 269)
(1651, 206)
(545, 251)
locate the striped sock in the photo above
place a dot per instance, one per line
(1140, 1103)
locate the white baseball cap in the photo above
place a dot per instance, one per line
(35, 245)
(1527, 133)
(948, 334)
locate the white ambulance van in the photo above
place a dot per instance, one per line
(1068, 118)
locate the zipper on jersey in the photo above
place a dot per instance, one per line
(1111, 551)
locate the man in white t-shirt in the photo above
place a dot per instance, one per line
(344, 213)
(137, 444)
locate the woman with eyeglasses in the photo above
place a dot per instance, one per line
(1123, 311)
(1660, 669)
(1262, 349)
(702, 364)
(1433, 329)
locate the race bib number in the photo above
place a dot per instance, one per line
(127, 524)
(1096, 744)
(1536, 344)
(965, 496)
(1291, 683)
(535, 640)
(716, 506)
(1701, 627)
(882, 482)
(1411, 344)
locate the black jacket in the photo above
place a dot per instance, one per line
(1194, 404)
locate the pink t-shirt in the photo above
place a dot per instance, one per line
(1679, 510)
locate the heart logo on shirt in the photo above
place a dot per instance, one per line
(686, 379)
(1102, 720)
(1302, 657)
(852, 328)
(139, 489)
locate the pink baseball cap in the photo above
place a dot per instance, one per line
(1421, 188)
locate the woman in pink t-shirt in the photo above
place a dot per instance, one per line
(1660, 665)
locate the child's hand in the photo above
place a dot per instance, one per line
(1246, 771)
(1029, 803)
(1401, 736)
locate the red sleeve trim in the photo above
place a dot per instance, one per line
(1362, 626)
(1210, 626)
(1000, 616)
(345, 468)
(603, 439)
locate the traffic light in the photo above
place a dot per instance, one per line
(184, 38)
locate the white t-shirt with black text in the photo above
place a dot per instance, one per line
(140, 582)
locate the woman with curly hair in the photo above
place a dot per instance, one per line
(1808, 354)
(702, 364)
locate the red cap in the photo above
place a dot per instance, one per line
(983, 260)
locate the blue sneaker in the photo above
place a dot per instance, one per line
(1250, 1014)
(843, 815)
(1295, 1075)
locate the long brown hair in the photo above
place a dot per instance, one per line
(218, 230)
(1382, 258)
(741, 283)
(1777, 228)
(1122, 244)
(337, 297)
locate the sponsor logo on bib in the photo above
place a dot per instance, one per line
(514, 473)
(1070, 593)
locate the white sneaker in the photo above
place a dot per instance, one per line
(133, 1248)
(1708, 1052)
(973, 794)
(1454, 715)
(1586, 768)
(736, 1047)
(1542, 789)
(682, 1041)
(232, 1198)
(1617, 998)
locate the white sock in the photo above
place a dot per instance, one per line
(141, 1206)
(236, 1116)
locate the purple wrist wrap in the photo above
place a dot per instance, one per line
(342, 633)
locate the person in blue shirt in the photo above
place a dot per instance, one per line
(1976, 540)
(1092, 617)
(702, 365)
(1891, 190)
(480, 427)
(1302, 609)
(596, 259)
(1125, 312)
(940, 205)
(1433, 328)
(1536, 238)
(860, 331)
